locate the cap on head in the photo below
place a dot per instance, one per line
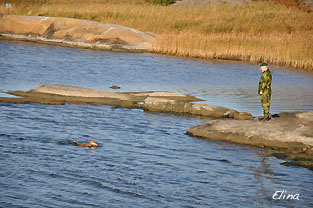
(264, 64)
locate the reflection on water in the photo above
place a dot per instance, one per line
(7, 95)
(143, 159)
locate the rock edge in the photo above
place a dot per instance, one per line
(153, 101)
(75, 32)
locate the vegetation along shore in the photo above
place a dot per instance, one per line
(276, 32)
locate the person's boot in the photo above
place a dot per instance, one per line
(267, 119)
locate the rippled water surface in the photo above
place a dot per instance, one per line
(144, 159)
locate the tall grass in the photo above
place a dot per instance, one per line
(255, 32)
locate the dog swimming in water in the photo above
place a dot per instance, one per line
(90, 144)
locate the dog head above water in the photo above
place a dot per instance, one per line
(93, 143)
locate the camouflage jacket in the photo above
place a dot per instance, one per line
(265, 83)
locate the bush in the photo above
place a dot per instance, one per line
(162, 2)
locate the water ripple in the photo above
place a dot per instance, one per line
(144, 159)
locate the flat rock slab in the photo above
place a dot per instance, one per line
(178, 106)
(73, 91)
(154, 101)
(67, 90)
(61, 94)
(75, 32)
(290, 130)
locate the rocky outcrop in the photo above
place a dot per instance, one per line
(288, 130)
(73, 91)
(75, 32)
(182, 107)
(61, 94)
(168, 102)
(290, 136)
(66, 90)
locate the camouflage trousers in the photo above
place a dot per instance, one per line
(266, 102)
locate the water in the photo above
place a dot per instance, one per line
(144, 159)
(24, 65)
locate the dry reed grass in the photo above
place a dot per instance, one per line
(260, 31)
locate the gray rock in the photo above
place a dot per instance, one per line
(168, 102)
(182, 107)
(75, 32)
(289, 130)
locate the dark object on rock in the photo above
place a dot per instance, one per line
(275, 116)
(115, 87)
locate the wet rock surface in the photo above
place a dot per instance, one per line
(293, 128)
(75, 32)
(61, 94)
(154, 101)
(182, 107)
(290, 134)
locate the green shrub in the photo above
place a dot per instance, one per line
(162, 2)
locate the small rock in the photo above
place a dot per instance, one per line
(115, 87)
(243, 116)
(115, 106)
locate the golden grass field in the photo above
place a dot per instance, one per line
(255, 32)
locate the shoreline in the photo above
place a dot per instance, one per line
(227, 61)
(287, 135)
(218, 46)
(75, 33)
(230, 61)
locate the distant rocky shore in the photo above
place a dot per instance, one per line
(75, 32)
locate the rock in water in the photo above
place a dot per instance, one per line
(155, 101)
(115, 87)
(290, 130)
(177, 106)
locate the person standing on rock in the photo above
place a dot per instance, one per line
(265, 90)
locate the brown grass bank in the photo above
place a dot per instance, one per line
(255, 32)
